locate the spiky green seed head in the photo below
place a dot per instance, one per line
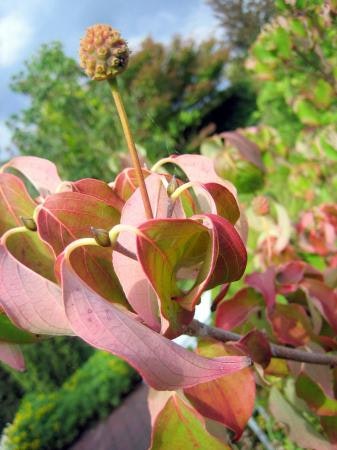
(104, 54)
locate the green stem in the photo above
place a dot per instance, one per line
(131, 145)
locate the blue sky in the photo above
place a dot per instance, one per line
(26, 24)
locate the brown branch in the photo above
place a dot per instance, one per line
(197, 328)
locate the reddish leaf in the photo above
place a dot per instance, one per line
(325, 299)
(29, 300)
(229, 399)
(265, 284)
(313, 394)
(100, 190)
(294, 271)
(199, 168)
(256, 345)
(220, 296)
(291, 273)
(126, 183)
(231, 256)
(291, 325)
(11, 355)
(226, 204)
(40, 172)
(93, 264)
(233, 312)
(14, 202)
(137, 288)
(67, 216)
(179, 426)
(163, 364)
(248, 149)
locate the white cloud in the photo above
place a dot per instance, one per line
(201, 24)
(15, 34)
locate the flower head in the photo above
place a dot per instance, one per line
(103, 52)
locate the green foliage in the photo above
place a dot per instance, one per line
(167, 90)
(295, 59)
(242, 19)
(49, 363)
(55, 419)
(10, 395)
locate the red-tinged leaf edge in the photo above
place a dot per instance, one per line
(39, 171)
(265, 284)
(256, 345)
(233, 312)
(163, 364)
(31, 301)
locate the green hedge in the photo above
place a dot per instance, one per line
(53, 420)
(10, 394)
(49, 364)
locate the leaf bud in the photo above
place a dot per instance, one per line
(101, 236)
(172, 186)
(29, 223)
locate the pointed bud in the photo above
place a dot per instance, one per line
(172, 186)
(101, 236)
(29, 223)
(103, 52)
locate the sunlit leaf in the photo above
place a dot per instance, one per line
(14, 202)
(137, 287)
(32, 302)
(40, 172)
(100, 190)
(180, 426)
(67, 216)
(229, 399)
(163, 364)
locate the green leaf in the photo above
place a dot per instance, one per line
(14, 202)
(11, 334)
(179, 426)
(173, 250)
(315, 397)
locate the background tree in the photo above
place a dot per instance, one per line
(168, 91)
(242, 20)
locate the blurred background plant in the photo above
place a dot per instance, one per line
(263, 104)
